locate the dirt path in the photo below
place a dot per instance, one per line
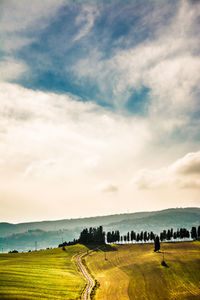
(86, 275)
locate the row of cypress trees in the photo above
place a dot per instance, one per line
(165, 235)
(114, 236)
(97, 236)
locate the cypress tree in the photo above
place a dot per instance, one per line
(164, 234)
(128, 237)
(161, 236)
(152, 236)
(194, 233)
(175, 235)
(168, 235)
(198, 232)
(156, 244)
(141, 236)
(109, 237)
(145, 236)
(132, 235)
(138, 237)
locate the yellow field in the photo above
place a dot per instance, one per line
(129, 272)
(46, 274)
(135, 272)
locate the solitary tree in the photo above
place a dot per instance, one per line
(156, 244)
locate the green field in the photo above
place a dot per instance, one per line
(135, 272)
(128, 272)
(45, 274)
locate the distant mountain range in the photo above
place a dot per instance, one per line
(23, 236)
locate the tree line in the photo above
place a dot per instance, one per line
(93, 235)
(144, 236)
(96, 235)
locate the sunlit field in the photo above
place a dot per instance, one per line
(123, 271)
(45, 274)
(135, 272)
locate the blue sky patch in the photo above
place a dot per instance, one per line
(139, 101)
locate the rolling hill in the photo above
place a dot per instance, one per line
(122, 272)
(46, 274)
(22, 236)
(135, 272)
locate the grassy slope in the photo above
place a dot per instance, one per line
(135, 272)
(43, 274)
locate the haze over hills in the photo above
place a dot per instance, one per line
(22, 236)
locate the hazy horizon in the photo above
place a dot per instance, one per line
(95, 216)
(100, 108)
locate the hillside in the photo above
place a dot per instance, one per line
(22, 236)
(26, 241)
(123, 272)
(135, 272)
(47, 274)
(172, 218)
(9, 228)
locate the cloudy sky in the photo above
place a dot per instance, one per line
(100, 110)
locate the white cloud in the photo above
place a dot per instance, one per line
(23, 14)
(107, 187)
(19, 18)
(183, 173)
(188, 165)
(11, 69)
(39, 168)
(147, 179)
(168, 65)
(85, 20)
(13, 41)
(55, 151)
(37, 127)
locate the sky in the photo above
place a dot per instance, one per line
(99, 107)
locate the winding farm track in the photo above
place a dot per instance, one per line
(86, 275)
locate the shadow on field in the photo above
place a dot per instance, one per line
(107, 248)
(163, 263)
(104, 248)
